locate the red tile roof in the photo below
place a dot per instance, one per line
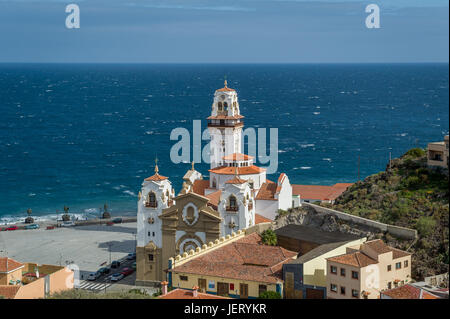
(381, 248)
(156, 178)
(214, 198)
(237, 157)
(236, 180)
(229, 170)
(267, 191)
(244, 259)
(188, 294)
(320, 192)
(9, 292)
(8, 264)
(261, 219)
(356, 259)
(408, 292)
(199, 186)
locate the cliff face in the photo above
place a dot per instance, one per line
(412, 195)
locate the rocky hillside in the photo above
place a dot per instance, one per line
(412, 195)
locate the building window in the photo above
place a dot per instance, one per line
(389, 267)
(150, 257)
(355, 293)
(261, 289)
(149, 234)
(343, 272)
(406, 263)
(333, 288)
(389, 285)
(342, 290)
(153, 234)
(184, 278)
(333, 270)
(355, 275)
(398, 265)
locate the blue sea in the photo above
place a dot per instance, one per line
(83, 135)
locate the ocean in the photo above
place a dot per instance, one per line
(83, 135)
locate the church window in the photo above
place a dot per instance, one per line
(214, 184)
(151, 200)
(232, 204)
(153, 234)
(225, 106)
(150, 257)
(219, 106)
(190, 215)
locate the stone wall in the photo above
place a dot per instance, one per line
(396, 231)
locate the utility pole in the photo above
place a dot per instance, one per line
(109, 245)
(390, 161)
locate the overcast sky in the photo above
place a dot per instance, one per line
(224, 31)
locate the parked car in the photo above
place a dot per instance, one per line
(117, 276)
(133, 266)
(104, 270)
(131, 256)
(115, 264)
(94, 275)
(32, 226)
(117, 220)
(50, 227)
(127, 271)
(68, 224)
(12, 228)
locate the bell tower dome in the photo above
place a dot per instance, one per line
(224, 125)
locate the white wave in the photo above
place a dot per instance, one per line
(305, 167)
(130, 193)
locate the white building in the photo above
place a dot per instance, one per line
(237, 188)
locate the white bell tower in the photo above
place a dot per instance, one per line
(224, 125)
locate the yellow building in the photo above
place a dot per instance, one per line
(237, 266)
(306, 276)
(437, 154)
(30, 281)
(366, 270)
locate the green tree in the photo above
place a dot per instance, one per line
(269, 237)
(269, 295)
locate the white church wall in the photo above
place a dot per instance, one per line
(267, 208)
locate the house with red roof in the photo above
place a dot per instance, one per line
(30, 281)
(366, 270)
(237, 266)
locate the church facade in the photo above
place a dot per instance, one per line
(204, 210)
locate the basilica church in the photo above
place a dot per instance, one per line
(235, 197)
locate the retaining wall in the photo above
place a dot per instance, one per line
(396, 231)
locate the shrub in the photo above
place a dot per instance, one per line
(269, 237)
(425, 225)
(269, 295)
(416, 152)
